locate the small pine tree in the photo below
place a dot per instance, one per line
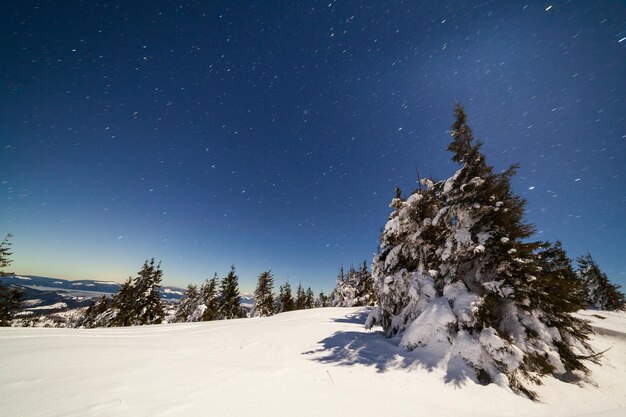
(5, 254)
(137, 302)
(10, 302)
(285, 299)
(188, 304)
(558, 291)
(354, 289)
(562, 290)
(309, 299)
(124, 312)
(323, 300)
(148, 306)
(229, 296)
(263, 296)
(365, 287)
(300, 298)
(600, 293)
(344, 291)
(10, 298)
(209, 302)
(96, 314)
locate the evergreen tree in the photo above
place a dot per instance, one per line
(600, 293)
(286, 302)
(365, 287)
(122, 305)
(209, 303)
(263, 296)
(229, 296)
(341, 277)
(309, 299)
(562, 289)
(5, 254)
(96, 314)
(559, 292)
(456, 271)
(137, 302)
(148, 306)
(344, 292)
(323, 300)
(10, 298)
(354, 289)
(188, 304)
(300, 298)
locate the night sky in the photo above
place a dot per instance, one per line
(272, 134)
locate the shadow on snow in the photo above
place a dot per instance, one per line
(349, 348)
(355, 318)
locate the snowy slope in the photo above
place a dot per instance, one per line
(306, 363)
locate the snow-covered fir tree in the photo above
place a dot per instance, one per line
(10, 297)
(5, 254)
(322, 300)
(263, 296)
(10, 302)
(343, 293)
(121, 310)
(117, 311)
(209, 306)
(137, 302)
(456, 272)
(96, 314)
(309, 298)
(365, 287)
(600, 293)
(188, 305)
(148, 306)
(285, 299)
(353, 289)
(229, 296)
(300, 298)
(558, 280)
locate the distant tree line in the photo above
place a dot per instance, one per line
(224, 304)
(138, 300)
(138, 303)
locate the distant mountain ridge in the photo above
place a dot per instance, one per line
(79, 293)
(86, 288)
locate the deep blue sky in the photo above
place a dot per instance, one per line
(272, 134)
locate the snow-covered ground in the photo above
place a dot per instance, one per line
(49, 307)
(317, 362)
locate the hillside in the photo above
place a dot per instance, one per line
(307, 363)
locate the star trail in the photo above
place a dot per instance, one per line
(273, 134)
